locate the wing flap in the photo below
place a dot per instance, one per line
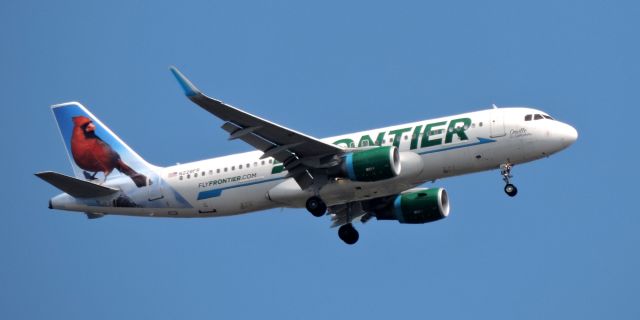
(250, 138)
(304, 179)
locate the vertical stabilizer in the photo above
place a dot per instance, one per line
(94, 150)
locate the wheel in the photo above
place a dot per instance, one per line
(316, 206)
(510, 190)
(348, 234)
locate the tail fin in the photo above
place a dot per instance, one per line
(95, 151)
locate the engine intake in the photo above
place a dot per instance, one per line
(415, 207)
(372, 165)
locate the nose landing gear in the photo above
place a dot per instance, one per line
(510, 190)
(505, 171)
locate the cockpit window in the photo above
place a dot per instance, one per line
(537, 117)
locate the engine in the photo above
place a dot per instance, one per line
(371, 165)
(417, 206)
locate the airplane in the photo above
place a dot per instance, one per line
(352, 178)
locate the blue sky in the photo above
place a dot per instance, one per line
(565, 247)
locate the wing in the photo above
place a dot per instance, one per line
(362, 211)
(346, 213)
(299, 153)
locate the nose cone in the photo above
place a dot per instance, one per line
(567, 134)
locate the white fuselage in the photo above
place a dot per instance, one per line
(454, 145)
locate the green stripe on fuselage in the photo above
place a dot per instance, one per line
(434, 134)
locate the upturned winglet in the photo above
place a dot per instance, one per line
(189, 89)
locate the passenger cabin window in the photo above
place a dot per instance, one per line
(527, 117)
(538, 117)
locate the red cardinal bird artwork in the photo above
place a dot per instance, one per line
(92, 154)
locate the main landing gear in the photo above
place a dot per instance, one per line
(505, 171)
(316, 206)
(348, 234)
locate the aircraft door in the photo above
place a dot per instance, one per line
(496, 123)
(155, 187)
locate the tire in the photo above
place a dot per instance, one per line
(316, 206)
(348, 234)
(510, 190)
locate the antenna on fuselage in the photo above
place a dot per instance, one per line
(494, 106)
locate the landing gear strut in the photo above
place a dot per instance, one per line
(505, 171)
(348, 234)
(316, 206)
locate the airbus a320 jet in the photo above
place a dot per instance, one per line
(352, 177)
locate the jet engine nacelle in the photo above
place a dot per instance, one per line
(371, 165)
(417, 206)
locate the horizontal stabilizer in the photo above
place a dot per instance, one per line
(75, 187)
